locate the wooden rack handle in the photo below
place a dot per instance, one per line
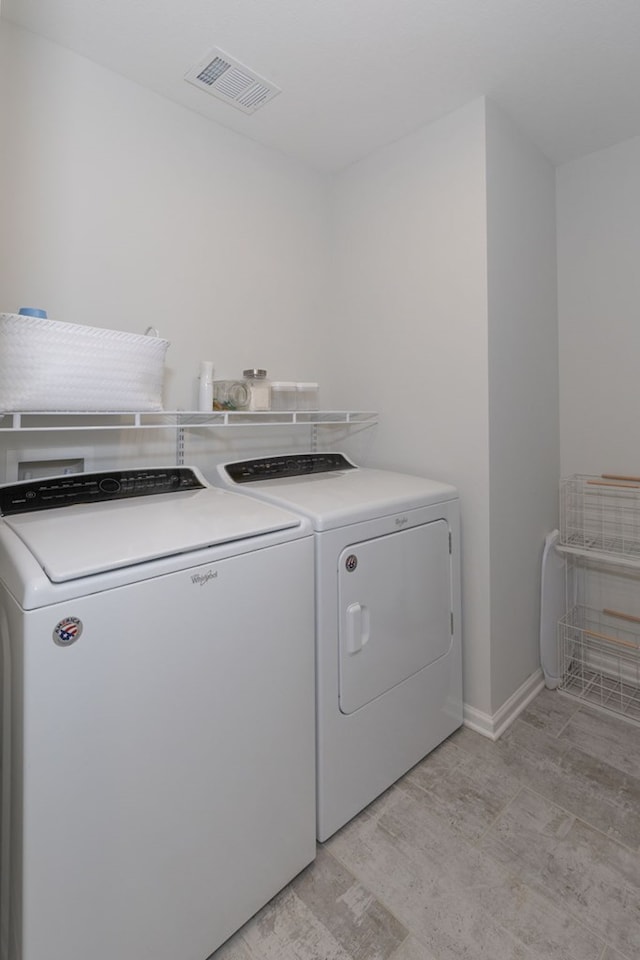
(613, 483)
(605, 636)
(618, 476)
(621, 616)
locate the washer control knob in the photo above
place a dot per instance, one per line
(109, 485)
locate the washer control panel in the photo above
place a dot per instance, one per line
(90, 487)
(288, 465)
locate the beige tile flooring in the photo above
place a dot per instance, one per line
(524, 849)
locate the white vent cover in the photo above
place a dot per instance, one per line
(232, 82)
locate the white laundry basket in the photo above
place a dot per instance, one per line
(51, 366)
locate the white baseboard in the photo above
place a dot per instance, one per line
(494, 726)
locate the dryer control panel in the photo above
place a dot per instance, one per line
(288, 465)
(73, 488)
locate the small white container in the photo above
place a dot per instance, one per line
(284, 395)
(308, 395)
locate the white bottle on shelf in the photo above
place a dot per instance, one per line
(205, 387)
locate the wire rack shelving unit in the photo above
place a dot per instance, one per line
(599, 645)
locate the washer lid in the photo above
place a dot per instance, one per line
(83, 539)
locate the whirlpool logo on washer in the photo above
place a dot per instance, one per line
(200, 579)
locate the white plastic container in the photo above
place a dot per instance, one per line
(284, 395)
(308, 395)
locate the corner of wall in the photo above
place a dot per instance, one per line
(523, 392)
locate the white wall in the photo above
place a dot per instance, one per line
(409, 329)
(121, 209)
(523, 393)
(445, 320)
(599, 311)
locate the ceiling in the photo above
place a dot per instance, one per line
(357, 74)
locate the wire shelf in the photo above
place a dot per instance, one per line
(599, 657)
(601, 514)
(123, 420)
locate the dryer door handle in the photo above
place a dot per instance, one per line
(357, 627)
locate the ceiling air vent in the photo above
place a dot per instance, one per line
(232, 82)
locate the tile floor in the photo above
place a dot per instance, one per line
(524, 849)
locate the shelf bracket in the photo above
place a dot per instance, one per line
(180, 447)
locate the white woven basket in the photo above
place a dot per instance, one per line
(47, 365)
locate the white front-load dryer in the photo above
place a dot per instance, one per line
(388, 640)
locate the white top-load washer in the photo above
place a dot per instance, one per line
(388, 650)
(157, 713)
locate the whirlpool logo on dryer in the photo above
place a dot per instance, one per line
(200, 579)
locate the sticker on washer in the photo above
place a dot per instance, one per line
(67, 631)
(351, 562)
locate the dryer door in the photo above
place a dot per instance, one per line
(395, 610)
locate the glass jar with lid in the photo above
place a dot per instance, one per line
(259, 388)
(230, 395)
